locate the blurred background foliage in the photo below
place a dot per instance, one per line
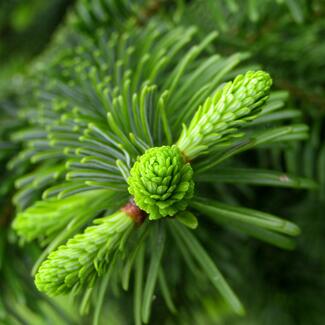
(25, 29)
(286, 38)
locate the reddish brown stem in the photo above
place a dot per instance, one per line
(134, 212)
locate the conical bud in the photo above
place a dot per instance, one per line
(220, 117)
(84, 257)
(161, 182)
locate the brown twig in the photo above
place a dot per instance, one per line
(134, 212)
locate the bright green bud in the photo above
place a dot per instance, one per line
(45, 219)
(220, 116)
(161, 182)
(84, 257)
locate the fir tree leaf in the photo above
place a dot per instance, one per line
(209, 268)
(215, 209)
(156, 256)
(188, 219)
(138, 290)
(165, 291)
(258, 177)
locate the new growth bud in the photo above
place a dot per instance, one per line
(161, 182)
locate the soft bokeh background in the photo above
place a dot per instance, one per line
(25, 29)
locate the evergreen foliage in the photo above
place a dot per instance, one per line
(144, 148)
